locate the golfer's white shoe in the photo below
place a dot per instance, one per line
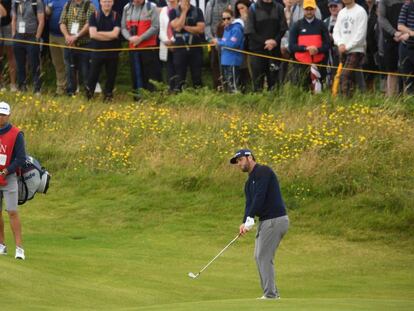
(19, 253)
(269, 298)
(3, 249)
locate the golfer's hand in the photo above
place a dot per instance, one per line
(242, 230)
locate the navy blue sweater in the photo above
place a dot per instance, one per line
(19, 151)
(263, 196)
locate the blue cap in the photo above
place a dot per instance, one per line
(239, 154)
(334, 2)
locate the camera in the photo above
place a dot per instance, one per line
(133, 31)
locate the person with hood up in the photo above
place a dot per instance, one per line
(233, 37)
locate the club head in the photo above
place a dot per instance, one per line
(192, 275)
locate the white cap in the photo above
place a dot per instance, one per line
(4, 108)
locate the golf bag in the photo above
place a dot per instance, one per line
(32, 178)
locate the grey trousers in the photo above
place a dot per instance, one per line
(269, 234)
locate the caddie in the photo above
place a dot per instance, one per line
(12, 156)
(264, 200)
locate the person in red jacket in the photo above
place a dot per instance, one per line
(140, 26)
(309, 42)
(12, 156)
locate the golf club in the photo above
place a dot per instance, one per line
(194, 276)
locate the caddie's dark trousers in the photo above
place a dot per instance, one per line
(188, 58)
(111, 66)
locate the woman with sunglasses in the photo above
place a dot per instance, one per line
(231, 61)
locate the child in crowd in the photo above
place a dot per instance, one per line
(231, 61)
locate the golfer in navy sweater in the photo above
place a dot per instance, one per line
(263, 199)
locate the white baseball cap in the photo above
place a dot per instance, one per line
(4, 108)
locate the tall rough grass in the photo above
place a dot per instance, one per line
(358, 151)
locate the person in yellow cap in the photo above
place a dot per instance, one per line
(309, 42)
(298, 12)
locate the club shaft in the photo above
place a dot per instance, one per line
(221, 252)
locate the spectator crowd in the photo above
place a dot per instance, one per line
(319, 39)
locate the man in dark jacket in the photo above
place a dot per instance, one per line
(388, 13)
(188, 24)
(12, 156)
(263, 199)
(265, 28)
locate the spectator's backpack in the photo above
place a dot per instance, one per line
(31, 179)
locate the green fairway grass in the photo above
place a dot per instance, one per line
(141, 195)
(93, 253)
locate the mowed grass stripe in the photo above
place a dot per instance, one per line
(129, 269)
(288, 304)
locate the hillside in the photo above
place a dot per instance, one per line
(143, 194)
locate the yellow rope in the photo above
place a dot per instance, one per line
(209, 47)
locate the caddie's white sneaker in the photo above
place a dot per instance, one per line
(19, 253)
(269, 298)
(3, 249)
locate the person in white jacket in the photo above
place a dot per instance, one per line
(349, 35)
(166, 37)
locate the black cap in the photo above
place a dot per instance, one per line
(239, 154)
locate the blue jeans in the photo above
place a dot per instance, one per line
(77, 65)
(23, 51)
(145, 66)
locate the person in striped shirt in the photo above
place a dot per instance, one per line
(406, 26)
